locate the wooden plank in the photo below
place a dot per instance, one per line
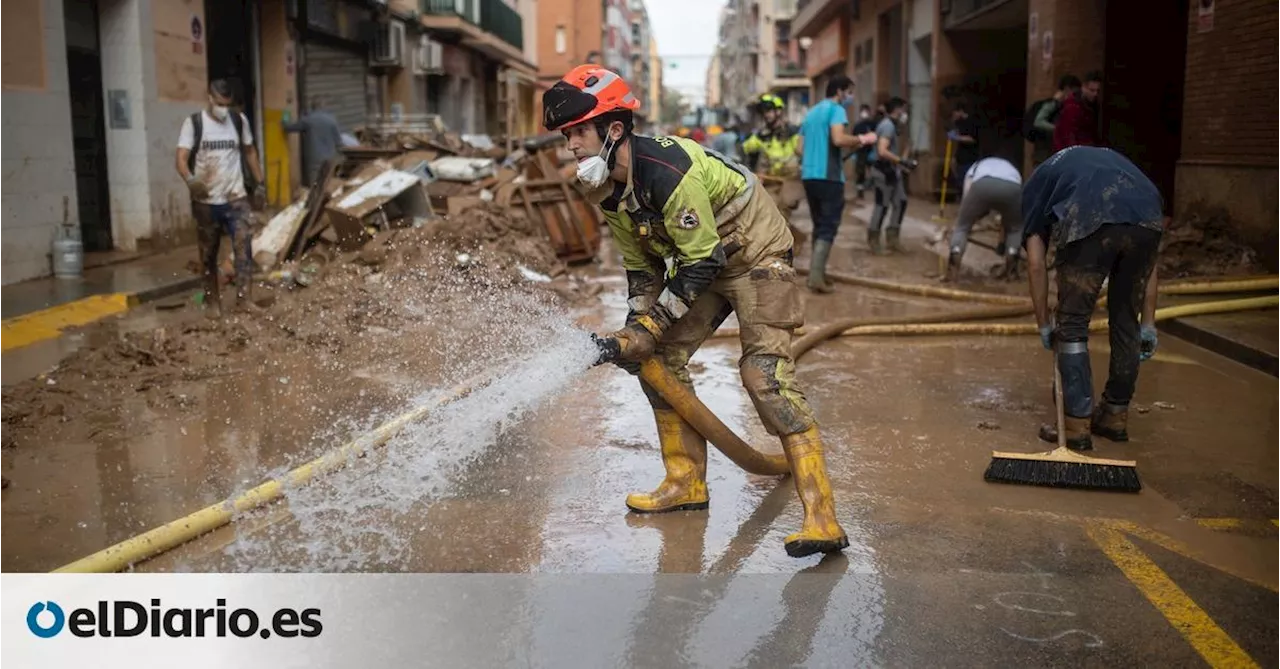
(316, 200)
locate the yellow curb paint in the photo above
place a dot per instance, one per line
(49, 323)
(1209, 640)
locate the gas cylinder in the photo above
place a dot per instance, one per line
(68, 254)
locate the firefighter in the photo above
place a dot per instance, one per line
(669, 200)
(773, 152)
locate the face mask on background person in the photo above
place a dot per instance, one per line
(903, 118)
(218, 111)
(864, 114)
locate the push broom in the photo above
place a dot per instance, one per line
(1063, 467)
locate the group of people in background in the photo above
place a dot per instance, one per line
(1063, 208)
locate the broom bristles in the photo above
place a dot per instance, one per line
(1059, 474)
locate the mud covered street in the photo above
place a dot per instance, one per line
(527, 474)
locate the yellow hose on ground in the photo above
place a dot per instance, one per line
(1098, 325)
(700, 417)
(1225, 286)
(923, 290)
(173, 534)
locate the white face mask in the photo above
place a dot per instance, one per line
(864, 115)
(593, 171)
(903, 118)
(219, 112)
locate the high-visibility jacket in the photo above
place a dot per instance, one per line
(677, 222)
(773, 150)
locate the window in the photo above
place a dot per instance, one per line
(560, 45)
(867, 50)
(635, 33)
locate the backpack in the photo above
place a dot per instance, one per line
(1029, 129)
(197, 129)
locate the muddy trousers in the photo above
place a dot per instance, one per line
(985, 195)
(1126, 254)
(235, 218)
(769, 307)
(891, 194)
(826, 207)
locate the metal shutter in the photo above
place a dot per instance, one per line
(339, 76)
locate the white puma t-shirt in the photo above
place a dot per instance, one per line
(218, 158)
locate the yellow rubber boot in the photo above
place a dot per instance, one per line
(820, 533)
(684, 454)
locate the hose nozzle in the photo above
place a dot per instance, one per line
(610, 349)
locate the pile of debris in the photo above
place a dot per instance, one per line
(1207, 244)
(439, 183)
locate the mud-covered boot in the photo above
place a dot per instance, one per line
(873, 242)
(1010, 271)
(891, 239)
(684, 454)
(818, 267)
(1111, 421)
(953, 267)
(1078, 438)
(820, 532)
(212, 299)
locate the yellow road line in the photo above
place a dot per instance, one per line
(1209, 640)
(49, 323)
(1220, 523)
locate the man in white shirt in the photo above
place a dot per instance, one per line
(989, 184)
(215, 147)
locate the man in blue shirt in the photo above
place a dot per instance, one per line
(822, 135)
(1103, 218)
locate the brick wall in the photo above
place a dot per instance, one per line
(583, 22)
(1228, 168)
(1229, 112)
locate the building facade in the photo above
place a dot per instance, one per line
(613, 33)
(1192, 102)
(95, 91)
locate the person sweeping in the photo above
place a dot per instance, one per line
(1103, 218)
(670, 203)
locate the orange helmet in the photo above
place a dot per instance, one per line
(584, 93)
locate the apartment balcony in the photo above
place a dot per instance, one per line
(488, 26)
(814, 15)
(788, 73)
(984, 14)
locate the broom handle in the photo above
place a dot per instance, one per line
(1057, 393)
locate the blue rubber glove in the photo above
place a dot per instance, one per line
(1149, 342)
(953, 135)
(1046, 337)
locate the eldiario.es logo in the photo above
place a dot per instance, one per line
(125, 618)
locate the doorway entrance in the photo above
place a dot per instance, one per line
(88, 127)
(1143, 86)
(229, 25)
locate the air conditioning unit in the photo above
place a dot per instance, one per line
(428, 58)
(387, 49)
